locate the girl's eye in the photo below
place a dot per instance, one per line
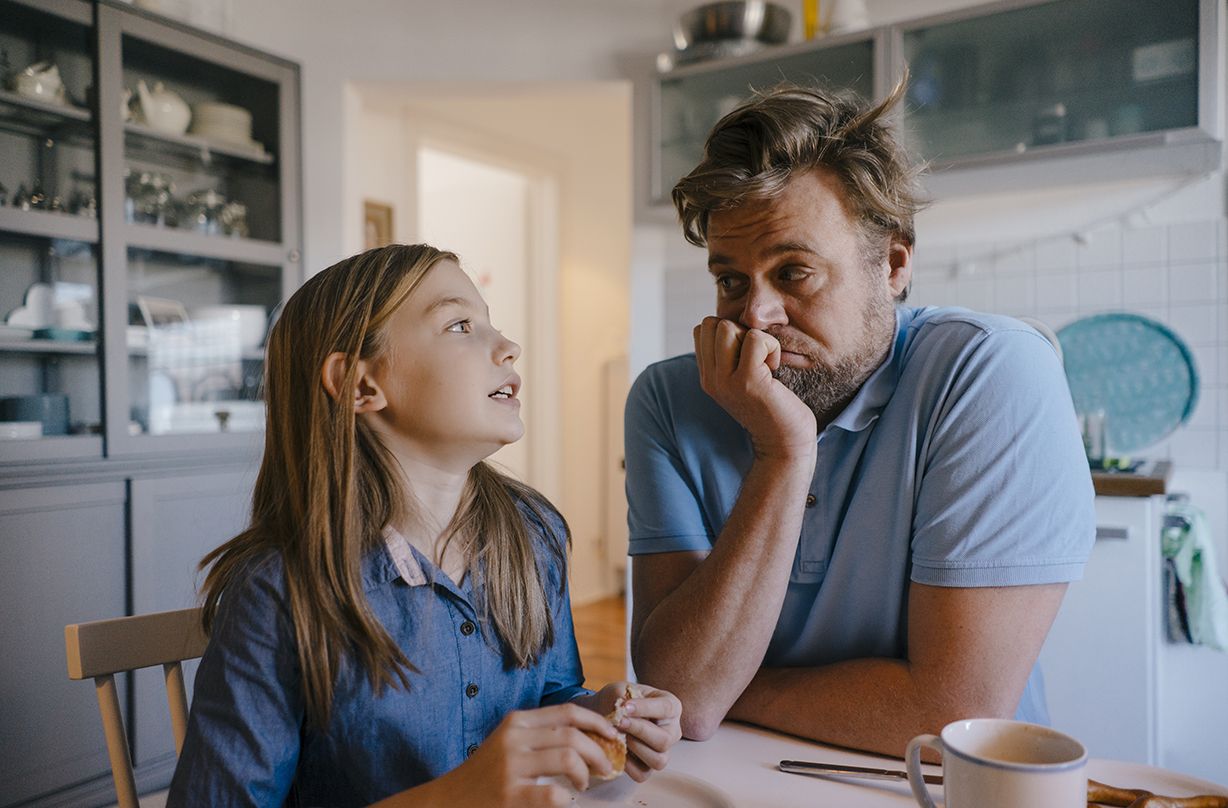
(461, 327)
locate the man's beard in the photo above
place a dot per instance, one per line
(828, 387)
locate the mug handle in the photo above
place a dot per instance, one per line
(913, 757)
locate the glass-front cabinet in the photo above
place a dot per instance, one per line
(149, 226)
(1028, 76)
(691, 99)
(50, 381)
(1134, 87)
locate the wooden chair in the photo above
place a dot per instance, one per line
(103, 648)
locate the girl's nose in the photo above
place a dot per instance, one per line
(507, 350)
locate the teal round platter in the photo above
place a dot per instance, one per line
(1136, 370)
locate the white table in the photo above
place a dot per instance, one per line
(741, 760)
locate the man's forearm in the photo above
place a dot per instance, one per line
(871, 704)
(706, 639)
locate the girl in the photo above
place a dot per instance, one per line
(394, 625)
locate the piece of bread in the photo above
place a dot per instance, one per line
(616, 748)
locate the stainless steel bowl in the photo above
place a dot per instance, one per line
(755, 20)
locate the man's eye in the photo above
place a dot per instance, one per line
(461, 327)
(792, 274)
(726, 283)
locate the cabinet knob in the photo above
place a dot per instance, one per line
(293, 256)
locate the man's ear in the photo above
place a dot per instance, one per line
(367, 394)
(899, 267)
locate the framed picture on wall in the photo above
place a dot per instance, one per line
(376, 224)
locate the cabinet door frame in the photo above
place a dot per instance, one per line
(114, 21)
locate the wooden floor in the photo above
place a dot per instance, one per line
(601, 633)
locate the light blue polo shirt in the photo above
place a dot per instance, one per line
(958, 463)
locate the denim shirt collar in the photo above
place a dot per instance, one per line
(396, 558)
(877, 390)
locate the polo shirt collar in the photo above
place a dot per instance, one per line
(877, 390)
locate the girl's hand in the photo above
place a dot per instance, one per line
(652, 724)
(528, 744)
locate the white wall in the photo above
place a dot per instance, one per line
(424, 41)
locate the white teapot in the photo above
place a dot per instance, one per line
(40, 80)
(162, 109)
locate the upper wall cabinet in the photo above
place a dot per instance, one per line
(149, 226)
(1130, 87)
(991, 84)
(692, 98)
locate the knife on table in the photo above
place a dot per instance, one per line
(834, 770)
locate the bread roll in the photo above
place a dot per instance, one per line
(616, 748)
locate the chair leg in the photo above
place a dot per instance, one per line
(177, 699)
(117, 742)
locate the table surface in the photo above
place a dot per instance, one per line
(742, 761)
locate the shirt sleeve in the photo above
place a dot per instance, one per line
(242, 742)
(564, 675)
(664, 512)
(1006, 495)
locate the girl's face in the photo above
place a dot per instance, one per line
(447, 377)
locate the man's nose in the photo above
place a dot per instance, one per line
(762, 308)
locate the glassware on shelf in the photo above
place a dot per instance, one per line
(149, 199)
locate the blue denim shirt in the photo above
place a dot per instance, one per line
(247, 743)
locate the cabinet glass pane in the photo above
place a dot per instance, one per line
(1076, 70)
(691, 104)
(195, 342)
(49, 382)
(201, 146)
(49, 366)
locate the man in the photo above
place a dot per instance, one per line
(850, 520)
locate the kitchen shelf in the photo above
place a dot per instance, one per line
(226, 248)
(50, 346)
(45, 224)
(148, 143)
(52, 448)
(31, 116)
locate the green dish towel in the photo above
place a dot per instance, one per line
(1186, 541)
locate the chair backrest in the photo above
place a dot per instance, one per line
(103, 648)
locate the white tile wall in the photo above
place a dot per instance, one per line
(1176, 274)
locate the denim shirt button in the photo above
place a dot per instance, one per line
(473, 747)
(471, 690)
(468, 627)
(810, 500)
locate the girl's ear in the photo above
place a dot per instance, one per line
(367, 394)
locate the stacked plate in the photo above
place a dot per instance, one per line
(223, 122)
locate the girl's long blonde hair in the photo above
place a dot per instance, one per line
(327, 487)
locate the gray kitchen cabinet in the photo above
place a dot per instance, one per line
(62, 561)
(1000, 94)
(169, 295)
(176, 520)
(1128, 87)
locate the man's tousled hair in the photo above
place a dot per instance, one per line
(787, 130)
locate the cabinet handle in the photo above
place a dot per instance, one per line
(294, 256)
(1116, 533)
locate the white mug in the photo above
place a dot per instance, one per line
(1006, 764)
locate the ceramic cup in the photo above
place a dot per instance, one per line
(48, 409)
(1006, 764)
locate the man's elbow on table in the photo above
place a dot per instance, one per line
(699, 724)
